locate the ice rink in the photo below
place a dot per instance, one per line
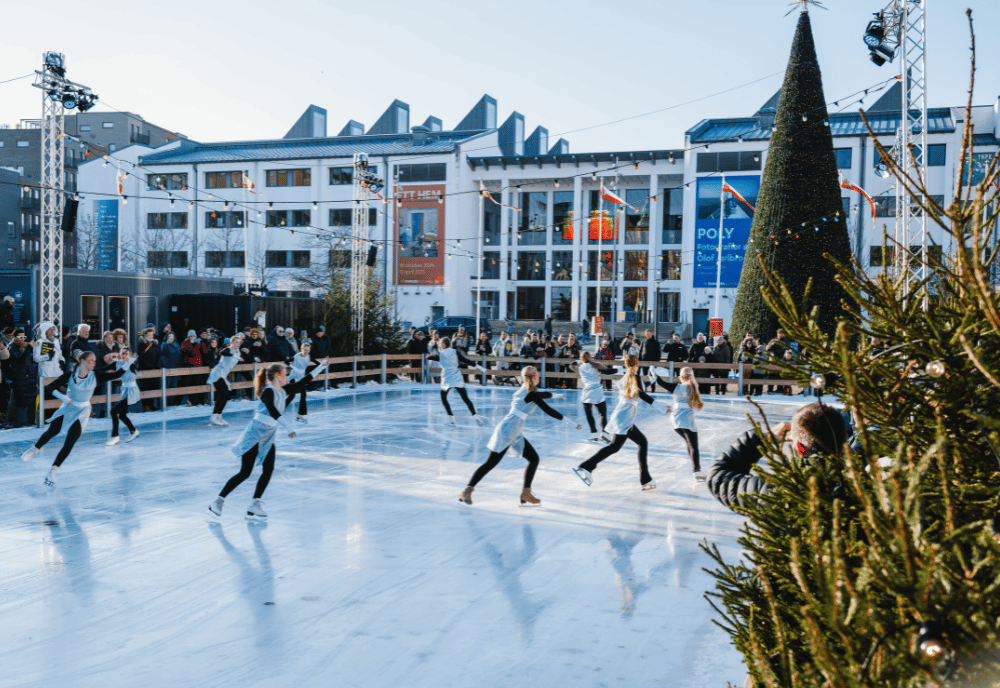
(368, 571)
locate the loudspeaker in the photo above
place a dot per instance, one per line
(372, 253)
(69, 215)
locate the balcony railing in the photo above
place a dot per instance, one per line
(142, 139)
(28, 203)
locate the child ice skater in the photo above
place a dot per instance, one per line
(451, 377)
(129, 395)
(218, 378)
(687, 400)
(593, 393)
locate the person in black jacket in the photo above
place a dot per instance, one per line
(80, 341)
(23, 379)
(150, 358)
(649, 351)
(697, 349)
(320, 344)
(814, 428)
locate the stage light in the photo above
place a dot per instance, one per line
(881, 54)
(69, 101)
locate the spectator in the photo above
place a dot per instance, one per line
(48, 356)
(416, 347)
(461, 340)
(775, 350)
(291, 344)
(697, 349)
(675, 349)
(148, 351)
(815, 428)
(24, 379)
(570, 352)
(277, 345)
(606, 353)
(585, 330)
(106, 347)
(527, 347)
(257, 345)
(165, 329)
(649, 352)
(320, 344)
(510, 328)
(212, 352)
(723, 353)
(4, 379)
(548, 325)
(171, 358)
(193, 350)
(484, 348)
(80, 342)
(7, 312)
(121, 339)
(66, 332)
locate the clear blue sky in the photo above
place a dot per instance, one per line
(229, 71)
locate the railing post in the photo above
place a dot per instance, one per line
(211, 395)
(542, 382)
(354, 373)
(326, 379)
(107, 392)
(739, 381)
(163, 389)
(41, 402)
(671, 371)
(253, 385)
(484, 371)
(383, 368)
(425, 370)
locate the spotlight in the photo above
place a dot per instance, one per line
(69, 101)
(875, 33)
(823, 380)
(54, 95)
(931, 644)
(55, 63)
(881, 169)
(881, 54)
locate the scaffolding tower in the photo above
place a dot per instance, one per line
(365, 184)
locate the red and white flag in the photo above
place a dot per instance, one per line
(844, 184)
(612, 198)
(487, 195)
(730, 190)
(249, 185)
(119, 180)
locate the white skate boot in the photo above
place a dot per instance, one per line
(479, 421)
(451, 420)
(699, 476)
(256, 509)
(216, 506)
(50, 479)
(112, 442)
(584, 475)
(301, 419)
(31, 451)
(216, 419)
(135, 433)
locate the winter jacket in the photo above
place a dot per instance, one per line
(4, 355)
(211, 356)
(675, 351)
(484, 348)
(723, 353)
(696, 351)
(170, 355)
(776, 349)
(504, 348)
(649, 350)
(320, 347)
(49, 359)
(6, 315)
(258, 350)
(278, 349)
(78, 343)
(103, 350)
(148, 351)
(571, 351)
(192, 353)
(24, 375)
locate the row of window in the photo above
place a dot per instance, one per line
(534, 303)
(222, 219)
(178, 181)
(742, 161)
(228, 259)
(532, 266)
(104, 125)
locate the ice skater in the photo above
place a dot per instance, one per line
(129, 395)
(508, 435)
(687, 400)
(622, 427)
(593, 393)
(451, 377)
(256, 444)
(81, 380)
(218, 378)
(300, 362)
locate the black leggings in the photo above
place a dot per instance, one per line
(529, 454)
(247, 467)
(221, 395)
(602, 408)
(72, 435)
(636, 436)
(465, 397)
(302, 401)
(691, 437)
(119, 412)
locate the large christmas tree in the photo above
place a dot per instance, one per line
(880, 566)
(799, 215)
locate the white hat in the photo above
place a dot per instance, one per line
(192, 333)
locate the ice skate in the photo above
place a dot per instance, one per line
(216, 506)
(649, 486)
(584, 475)
(595, 437)
(451, 420)
(132, 436)
(301, 419)
(50, 479)
(216, 419)
(699, 476)
(528, 499)
(479, 421)
(466, 495)
(256, 509)
(31, 451)
(112, 442)
(606, 438)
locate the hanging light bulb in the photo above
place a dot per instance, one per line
(823, 380)
(315, 205)
(557, 183)
(210, 196)
(931, 644)
(936, 368)
(805, 118)
(191, 205)
(124, 200)
(225, 206)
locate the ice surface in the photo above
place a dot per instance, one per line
(368, 571)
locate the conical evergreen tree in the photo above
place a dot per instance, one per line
(799, 215)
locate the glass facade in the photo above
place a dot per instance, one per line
(533, 218)
(491, 223)
(531, 265)
(607, 261)
(561, 305)
(491, 265)
(531, 303)
(637, 216)
(636, 265)
(562, 225)
(605, 302)
(562, 265)
(673, 216)
(634, 299)
(671, 265)
(670, 306)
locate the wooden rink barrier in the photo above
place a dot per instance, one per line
(379, 367)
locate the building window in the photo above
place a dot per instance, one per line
(531, 265)
(562, 265)
(108, 125)
(670, 306)
(223, 180)
(432, 172)
(491, 224)
(112, 147)
(634, 299)
(10, 229)
(637, 216)
(980, 163)
(530, 303)
(491, 265)
(671, 268)
(606, 235)
(301, 218)
(166, 259)
(881, 258)
(10, 256)
(607, 265)
(843, 158)
(936, 154)
(489, 304)
(300, 259)
(225, 259)
(673, 216)
(22, 144)
(289, 259)
(277, 218)
(84, 127)
(341, 175)
(343, 217)
(885, 205)
(636, 265)
(561, 303)
(224, 219)
(167, 182)
(531, 220)
(733, 161)
(562, 225)
(167, 220)
(605, 310)
(298, 177)
(276, 259)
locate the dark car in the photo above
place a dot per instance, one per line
(448, 326)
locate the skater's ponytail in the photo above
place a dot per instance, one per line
(687, 377)
(630, 384)
(265, 375)
(529, 374)
(586, 358)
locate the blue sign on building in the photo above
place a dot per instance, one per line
(107, 232)
(736, 221)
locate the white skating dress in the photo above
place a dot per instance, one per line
(593, 392)
(79, 390)
(451, 376)
(223, 368)
(130, 387)
(509, 432)
(683, 415)
(623, 417)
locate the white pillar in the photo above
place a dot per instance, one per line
(503, 249)
(579, 253)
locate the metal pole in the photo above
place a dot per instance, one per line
(383, 368)
(600, 259)
(41, 402)
(163, 389)
(718, 261)
(479, 283)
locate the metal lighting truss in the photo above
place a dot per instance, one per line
(364, 184)
(58, 95)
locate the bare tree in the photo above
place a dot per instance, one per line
(225, 240)
(334, 252)
(257, 263)
(162, 251)
(88, 243)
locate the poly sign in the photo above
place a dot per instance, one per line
(736, 222)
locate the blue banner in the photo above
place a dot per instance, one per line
(736, 222)
(107, 231)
